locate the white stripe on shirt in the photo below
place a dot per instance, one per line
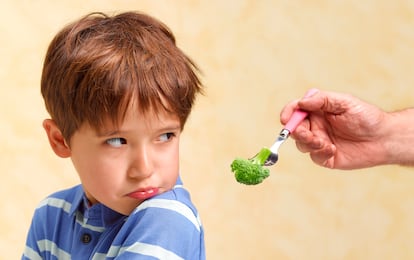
(57, 203)
(81, 220)
(173, 205)
(31, 254)
(140, 248)
(50, 246)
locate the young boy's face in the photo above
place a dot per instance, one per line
(121, 167)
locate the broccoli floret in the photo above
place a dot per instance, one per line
(251, 171)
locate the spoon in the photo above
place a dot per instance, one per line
(297, 117)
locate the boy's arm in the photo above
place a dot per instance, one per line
(161, 228)
(32, 250)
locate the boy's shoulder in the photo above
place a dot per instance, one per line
(171, 214)
(66, 199)
(178, 193)
(173, 208)
(174, 199)
(67, 193)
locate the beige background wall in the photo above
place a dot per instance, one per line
(256, 56)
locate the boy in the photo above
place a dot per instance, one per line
(119, 92)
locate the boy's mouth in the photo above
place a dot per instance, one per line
(143, 193)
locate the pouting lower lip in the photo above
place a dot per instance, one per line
(144, 193)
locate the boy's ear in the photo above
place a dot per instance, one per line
(56, 140)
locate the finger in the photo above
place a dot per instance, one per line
(314, 145)
(302, 132)
(302, 147)
(287, 111)
(304, 135)
(325, 156)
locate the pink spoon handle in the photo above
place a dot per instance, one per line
(299, 115)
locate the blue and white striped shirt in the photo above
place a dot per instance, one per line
(166, 226)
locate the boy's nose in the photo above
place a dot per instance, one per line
(141, 166)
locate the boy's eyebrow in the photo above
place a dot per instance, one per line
(107, 133)
(171, 127)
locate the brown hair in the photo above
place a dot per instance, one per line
(97, 65)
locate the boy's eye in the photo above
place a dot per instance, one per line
(116, 142)
(165, 137)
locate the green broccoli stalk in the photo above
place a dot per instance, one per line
(251, 171)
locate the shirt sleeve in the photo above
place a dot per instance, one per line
(36, 235)
(161, 229)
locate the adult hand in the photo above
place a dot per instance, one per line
(341, 131)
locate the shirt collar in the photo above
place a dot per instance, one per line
(77, 200)
(81, 204)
